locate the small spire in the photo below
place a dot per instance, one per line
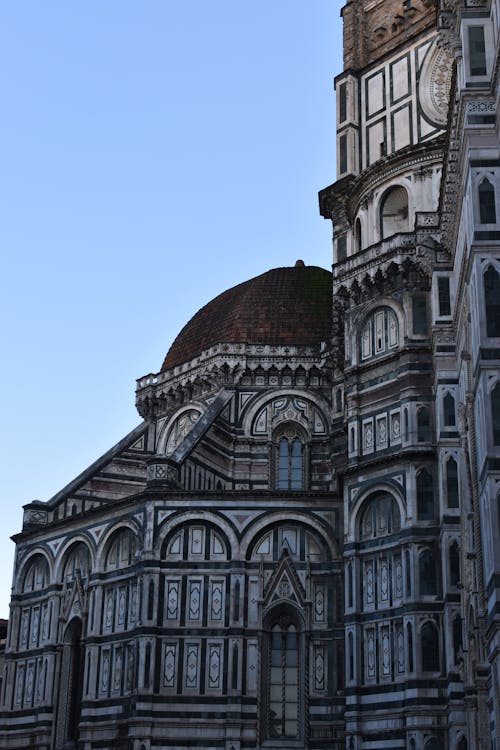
(299, 264)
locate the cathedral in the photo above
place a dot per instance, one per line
(298, 547)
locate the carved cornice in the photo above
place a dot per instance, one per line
(400, 255)
(341, 201)
(161, 394)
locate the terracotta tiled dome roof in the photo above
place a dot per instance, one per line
(285, 306)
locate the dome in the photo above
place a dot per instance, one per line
(282, 307)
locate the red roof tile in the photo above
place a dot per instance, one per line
(285, 306)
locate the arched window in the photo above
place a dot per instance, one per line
(424, 433)
(449, 410)
(121, 551)
(492, 301)
(487, 209)
(37, 575)
(425, 496)
(380, 516)
(429, 642)
(299, 542)
(454, 562)
(283, 678)
(394, 212)
(427, 574)
(495, 413)
(290, 459)
(462, 745)
(452, 483)
(380, 333)
(196, 542)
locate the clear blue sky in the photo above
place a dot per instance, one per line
(152, 154)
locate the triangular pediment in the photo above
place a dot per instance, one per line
(74, 598)
(284, 583)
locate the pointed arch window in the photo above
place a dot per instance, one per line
(380, 333)
(290, 466)
(487, 208)
(492, 301)
(394, 212)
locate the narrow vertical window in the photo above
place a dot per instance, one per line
(477, 51)
(454, 561)
(406, 426)
(338, 400)
(427, 574)
(457, 637)
(284, 683)
(290, 461)
(495, 413)
(341, 248)
(357, 236)
(419, 315)
(492, 301)
(425, 496)
(487, 208)
(408, 573)
(352, 440)
(452, 483)
(350, 648)
(444, 295)
(409, 635)
(349, 584)
(342, 102)
(449, 410)
(234, 674)
(343, 154)
(151, 598)
(430, 648)
(423, 425)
